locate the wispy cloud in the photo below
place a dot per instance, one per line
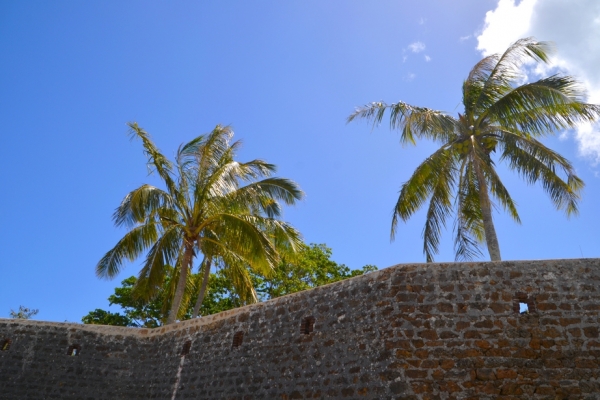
(463, 38)
(416, 47)
(427, 58)
(410, 77)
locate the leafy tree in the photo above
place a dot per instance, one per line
(101, 317)
(204, 209)
(502, 115)
(310, 267)
(136, 311)
(23, 313)
(313, 267)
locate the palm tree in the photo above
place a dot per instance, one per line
(499, 115)
(204, 209)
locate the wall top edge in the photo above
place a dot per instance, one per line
(150, 332)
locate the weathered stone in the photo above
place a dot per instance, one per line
(431, 331)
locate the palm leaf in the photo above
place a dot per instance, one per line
(506, 70)
(414, 122)
(535, 162)
(156, 159)
(134, 243)
(415, 192)
(468, 225)
(139, 204)
(440, 206)
(544, 106)
(166, 251)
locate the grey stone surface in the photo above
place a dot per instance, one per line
(417, 331)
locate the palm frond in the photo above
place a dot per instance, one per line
(242, 235)
(165, 252)
(266, 193)
(256, 169)
(535, 162)
(139, 204)
(156, 159)
(134, 243)
(468, 225)
(474, 85)
(466, 247)
(238, 274)
(493, 83)
(420, 186)
(414, 122)
(221, 182)
(440, 206)
(188, 152)
(214, 150)
(217, 176)
(542, 107)
(501, 193)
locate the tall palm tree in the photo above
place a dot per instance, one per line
(499, 115)
(207, 209)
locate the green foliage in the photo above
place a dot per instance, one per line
(500, 115)
(311, 268)
(23, 313)
(221, 295)
(136, 312)
(101, 317)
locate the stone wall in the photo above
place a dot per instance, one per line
(419, 331)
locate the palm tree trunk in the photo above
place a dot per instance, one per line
(206, 265)
(188, 253)
(486, 213)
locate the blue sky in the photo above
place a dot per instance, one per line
(285, 75)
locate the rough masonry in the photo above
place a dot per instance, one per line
(418, 331)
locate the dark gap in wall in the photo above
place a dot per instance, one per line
(307, 325)
(5, 344)
(238, 338)
(523, 303)
(186, 348)
(74, 350)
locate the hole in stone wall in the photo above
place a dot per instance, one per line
(307, 326)
(238, 338)
(74, 350)
(523, 308)
(186, 348)
(5, 345)
(523, 303)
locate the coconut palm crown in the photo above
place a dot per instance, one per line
(500, 116)
(211, 205)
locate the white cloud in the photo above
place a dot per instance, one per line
(573, 26)
(416, 47)
(422, 21)
(410, 77)
(505, 25)
(427, 58)
(463, 38)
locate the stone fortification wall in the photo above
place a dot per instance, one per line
(421, 331)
